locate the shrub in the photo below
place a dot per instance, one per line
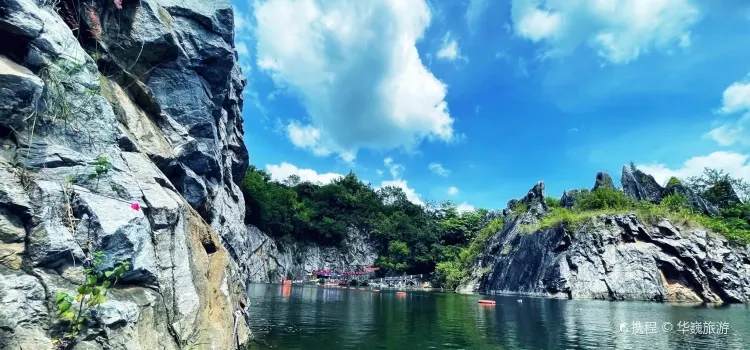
(603, 198)
(552, 202)
(675, 202)
(560, 216)
(520, 208)
(102, 166)
(673, 181)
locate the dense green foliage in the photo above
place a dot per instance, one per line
(603, 198)
(410, 237)
(673, 181)
(552, 202)
(453, 272)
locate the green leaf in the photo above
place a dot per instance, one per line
(92, 176)
(68, 315)
(91, 280)
(97, 300)
(83, 290)
(60, 296)
(106, 284)
(107, 273)
(63, 306)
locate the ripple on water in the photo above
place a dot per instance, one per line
(307, 317)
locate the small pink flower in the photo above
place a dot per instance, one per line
(118, 4)
(135, 206)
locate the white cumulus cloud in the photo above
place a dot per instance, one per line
(735, 164)
(306, 136)
(411, 194)
(617, 30)
(465, 208)
(355, 68)
(735, 100)
(438, 169)
(282, 171)
(732, 132)
(452, 191)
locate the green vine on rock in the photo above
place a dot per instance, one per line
(75, 310)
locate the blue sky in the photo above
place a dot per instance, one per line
(477, 100)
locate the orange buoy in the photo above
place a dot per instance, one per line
(486, 302)
(361, 289)
(376, 290)
(400, 293)
(352, 288)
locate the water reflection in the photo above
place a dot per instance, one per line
(308, 317)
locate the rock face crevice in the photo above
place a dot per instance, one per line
(153, 93)
(615, 257)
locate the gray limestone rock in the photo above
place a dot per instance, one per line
(20, 90)
(168, 97)
(616, 257)
(640, 186)
(603, 180)
(268, 262)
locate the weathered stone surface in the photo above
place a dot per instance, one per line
(19, 90)
(616, 257)
(172, 137)
(603, 180)
(640, 186)
(22, 309)
(266, 261)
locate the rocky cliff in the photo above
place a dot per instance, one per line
(121, 132)
(265, 260)
(616, 257)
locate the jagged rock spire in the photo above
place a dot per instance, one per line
(640, 186)
(603, 180)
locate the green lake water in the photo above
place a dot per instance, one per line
(312, 317)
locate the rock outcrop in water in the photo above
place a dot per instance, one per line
(141, 103)
(617, 257)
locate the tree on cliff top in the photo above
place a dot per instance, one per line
(719, 188)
